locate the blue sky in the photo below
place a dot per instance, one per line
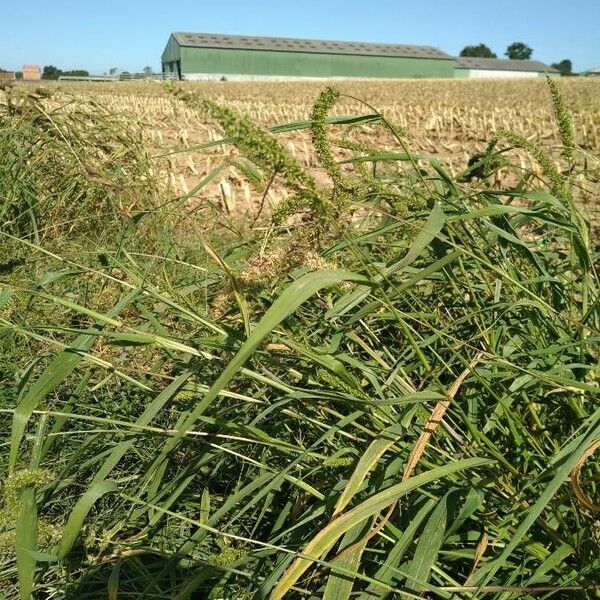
(98, 35)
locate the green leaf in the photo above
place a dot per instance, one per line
(368, 460)
(428, 546)
(26, 541)
(26, 537)
(113, 582)
(554, 560)
(285, 128)
(388, 572)
(432, 228)
(339, 587)
(77, 517)
(5, 296)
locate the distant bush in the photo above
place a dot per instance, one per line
(481, 51)
(52, 72)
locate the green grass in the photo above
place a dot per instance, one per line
(381, 391)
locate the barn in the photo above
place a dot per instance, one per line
(487, 68)
(206, 56)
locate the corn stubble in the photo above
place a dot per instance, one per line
(381, 381)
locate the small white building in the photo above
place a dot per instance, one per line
(492, 68)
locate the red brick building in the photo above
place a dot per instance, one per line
(32, 73)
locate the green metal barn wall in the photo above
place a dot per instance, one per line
(171, 52)
(299, 64)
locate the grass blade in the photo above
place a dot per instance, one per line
(430, 542)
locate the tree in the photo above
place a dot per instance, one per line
(148, 70)
(480, 51)
(519, 51)
(564, 66)
(51, 72)
(77, 73)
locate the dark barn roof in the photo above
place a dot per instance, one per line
(240, 42)
(501, 64)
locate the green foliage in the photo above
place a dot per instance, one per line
(12, 506)
(51, 72)
(564, 66)
(518, 51)
(19, 480)
(480, 50)
(263, 453)
(76, 73)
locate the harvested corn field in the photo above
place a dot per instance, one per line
(447, 119)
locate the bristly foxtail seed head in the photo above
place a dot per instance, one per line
(48, 533)
(262, 148)
(325, 102)
(20, 480)
(563, 120)
(558, 185)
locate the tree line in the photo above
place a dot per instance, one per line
(515, 51)
(52, 72)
